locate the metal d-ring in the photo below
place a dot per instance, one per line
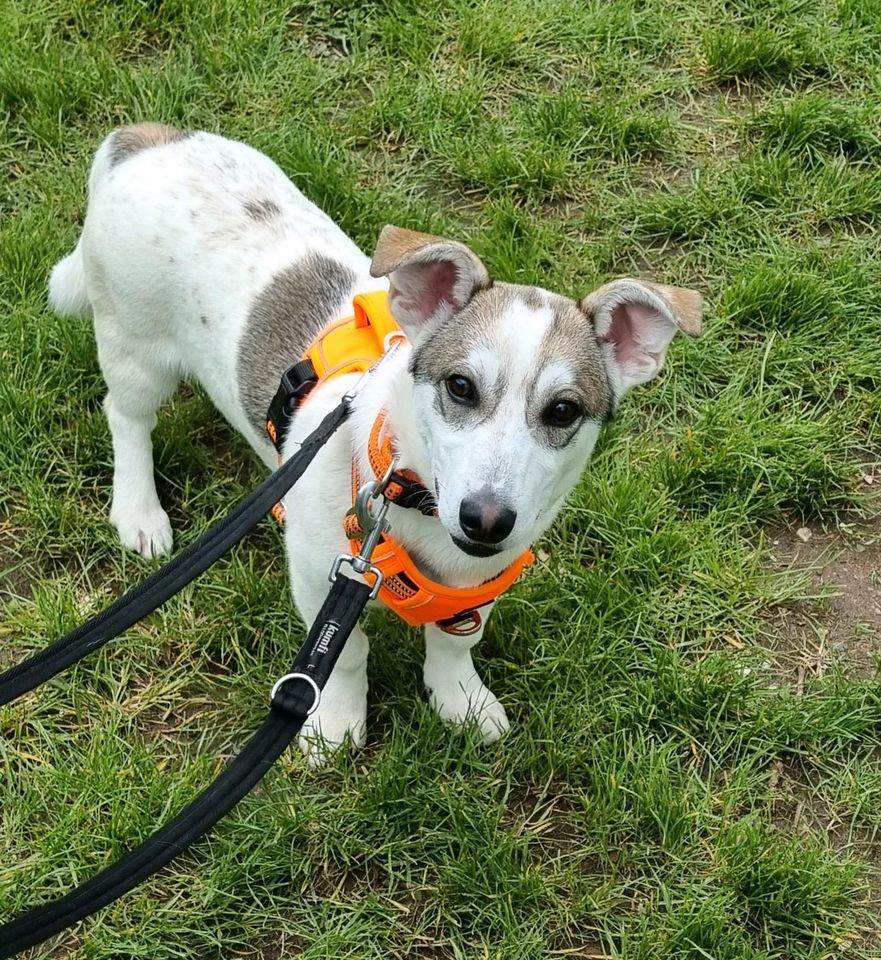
(298, 676)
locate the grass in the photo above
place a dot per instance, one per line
(667, 792)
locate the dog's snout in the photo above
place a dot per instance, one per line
(484, 519)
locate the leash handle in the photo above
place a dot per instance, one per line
(293, 698)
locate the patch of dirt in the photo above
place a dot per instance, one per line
(837, 624)
(799, 806)
(840, 621)
(16, 571)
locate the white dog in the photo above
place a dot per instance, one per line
(200, 259)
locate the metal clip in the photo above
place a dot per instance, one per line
(374, 526)
(390, 347)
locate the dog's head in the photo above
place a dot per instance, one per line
(512, 384)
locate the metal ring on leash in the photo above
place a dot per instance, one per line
(298, 676)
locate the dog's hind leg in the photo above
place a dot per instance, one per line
(457, 692)
(138, 381)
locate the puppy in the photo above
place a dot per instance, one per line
(199, 259)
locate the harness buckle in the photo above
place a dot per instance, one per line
(414, 494)
(296, 384)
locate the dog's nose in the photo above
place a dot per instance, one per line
(485, 520)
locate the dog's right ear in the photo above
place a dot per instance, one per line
(429, 278)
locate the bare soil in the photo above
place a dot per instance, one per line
(839, 621)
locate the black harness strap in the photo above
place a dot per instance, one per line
(294, 698)
(414, 495)
(297, 382)
(144, 598)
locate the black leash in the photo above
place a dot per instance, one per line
(147, 596)
(293, 698)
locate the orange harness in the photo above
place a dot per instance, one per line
(353, 345)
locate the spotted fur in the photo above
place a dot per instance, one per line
(202, 260)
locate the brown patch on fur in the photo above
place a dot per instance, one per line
(687, 306)
(396, 246)
(127, 141)
(282, 321)
(571, 338)
(442, 353)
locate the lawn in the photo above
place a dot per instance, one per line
(694, 769)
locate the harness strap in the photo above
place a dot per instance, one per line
(294, 697)
(147, 596)
(404, 488)
(412, 595)
(296, 383)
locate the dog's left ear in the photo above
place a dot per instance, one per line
(429, 278)
(635, 321)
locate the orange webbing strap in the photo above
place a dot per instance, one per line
(351, 345)
(381, 456)
(406, 590)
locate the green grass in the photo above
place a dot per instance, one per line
(637, 810)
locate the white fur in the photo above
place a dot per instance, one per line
(163, 247)
(67, 285)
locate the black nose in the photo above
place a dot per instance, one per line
(485, 520)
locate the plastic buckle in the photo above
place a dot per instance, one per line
(414, 494)
(297, 382)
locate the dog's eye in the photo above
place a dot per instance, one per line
(461, 389)
(561, 413)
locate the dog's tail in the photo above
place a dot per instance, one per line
(67, 285)
(68, 294)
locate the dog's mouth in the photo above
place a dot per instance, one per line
(475, 549)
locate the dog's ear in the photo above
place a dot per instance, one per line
(429, 278)
(635, 321)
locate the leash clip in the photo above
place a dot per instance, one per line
(374, 526)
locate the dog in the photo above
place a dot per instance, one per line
(200, 259)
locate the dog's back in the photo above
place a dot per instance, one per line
(184, 237)
(198, 259)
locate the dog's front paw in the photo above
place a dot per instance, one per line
(147, 532)
(328, 729)
(471, 701)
